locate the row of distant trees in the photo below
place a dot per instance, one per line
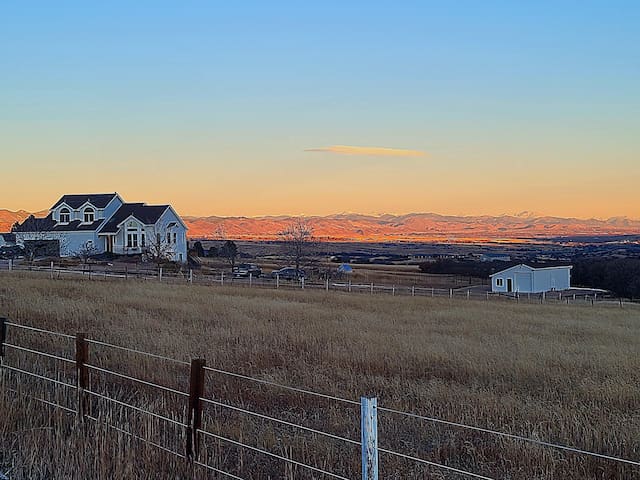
(296, 239)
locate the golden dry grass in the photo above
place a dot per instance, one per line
(566, 374)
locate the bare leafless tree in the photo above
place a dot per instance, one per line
(297, 240)
(158, 249)
(86, 251)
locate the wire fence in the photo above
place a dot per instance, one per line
(94, 391)
(588, 297)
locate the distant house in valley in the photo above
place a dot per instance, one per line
(104, 223)
(525, 279)
(495, 257)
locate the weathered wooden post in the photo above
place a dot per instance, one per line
(369, 437)
(277, 281)
(250, 279)
(10, 264)
(451, 293)
(371, 288)
(468, 294)
(82, 375)
(433, 292)
(393, 290)
(349, 286)
(222, 279)
(413, 291)
(51, 270)
(160, 274)
(194, 412)
(302, 282)
(190, 275)
(326, 287)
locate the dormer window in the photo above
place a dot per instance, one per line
(65, 215)
(89, 215)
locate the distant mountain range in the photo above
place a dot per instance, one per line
(411, 227)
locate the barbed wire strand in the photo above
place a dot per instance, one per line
(25, 372)
(274, 384)
(511, 436)
(27, 327)
(137, 409)
(274, 455)
(217, 470)
(283, 422)
(48, 355)
(46, 402)
(144, 382)
(434, 464)
(133, 435)
(139, 352)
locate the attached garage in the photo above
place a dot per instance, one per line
(525, 279)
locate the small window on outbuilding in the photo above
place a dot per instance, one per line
(499, 282)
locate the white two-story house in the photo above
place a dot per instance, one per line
(104, 223)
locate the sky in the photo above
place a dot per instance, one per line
(254, 108)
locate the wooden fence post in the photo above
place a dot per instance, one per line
(160, 274)
(371, 288)
(190, 275)
(82, 375)
(277, 281)
(194, 413)
(222, 279)
(250, 279)
(349, 286)
(327, 284)
(413, 291)
(369, 437)
(302, 282)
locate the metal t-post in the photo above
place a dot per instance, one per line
(369, 437)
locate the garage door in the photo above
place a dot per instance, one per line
(522, 282)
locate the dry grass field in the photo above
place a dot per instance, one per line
(566, 374)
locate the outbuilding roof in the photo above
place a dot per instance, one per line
(522, 265)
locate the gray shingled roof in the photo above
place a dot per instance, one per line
(98, 200)
(147, 214)
(47, 224)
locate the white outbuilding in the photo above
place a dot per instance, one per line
(525, 279)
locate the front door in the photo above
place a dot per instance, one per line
(509, 285)
(109, 240)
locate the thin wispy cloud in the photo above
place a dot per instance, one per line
(372, 151)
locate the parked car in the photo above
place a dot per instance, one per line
(288, 273)
(244, 269)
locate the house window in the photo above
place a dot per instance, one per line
(89, 215)
(499, 282)
(143, 240)
(132, 238)
(168, 237)
(175, 237)
(65, 215)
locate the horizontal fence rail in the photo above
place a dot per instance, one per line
(192, 429)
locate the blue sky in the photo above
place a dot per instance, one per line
(187, 99)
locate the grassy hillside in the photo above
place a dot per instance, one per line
(566, 374)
